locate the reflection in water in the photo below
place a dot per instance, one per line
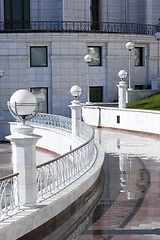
(126, 182)
(122, 169)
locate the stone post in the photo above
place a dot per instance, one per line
(24, 161)
(122, 94)
(76, 116)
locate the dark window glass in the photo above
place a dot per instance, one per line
(38, 57)
(95, 53)
(15, 13)
(96, 94)
(26, 10)
(41, 95)
(17, 10)
(138, 56)
(94, 14)
(7, 10)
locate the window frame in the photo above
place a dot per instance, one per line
(46, 55)
(46, 88)
(141, 58)
(99, 94)
(100, 53)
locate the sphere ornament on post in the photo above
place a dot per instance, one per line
(122, 89)
(75, 107)
(122, 74)
(1, 73)
(88, 59)
(76, 91)
(23, 105)
(130, 46)
(157, 35)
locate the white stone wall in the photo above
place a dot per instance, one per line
(112, 11)
(66, 66)
(133, 11)
(130, 119)
(48, 10)
(153, 7)
(60, 10)
(75, 10)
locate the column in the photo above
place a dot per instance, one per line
(122, 94)
(76, 116)
(24, 161)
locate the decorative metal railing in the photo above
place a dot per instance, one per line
(55, 175)
(51, 121)
(9, 194)
(74, 26)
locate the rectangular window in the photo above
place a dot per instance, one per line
(96, 94)
(95, 53)
(38, 57)
(94, 14)
(138, 56)
(41, 95)
(16, 14)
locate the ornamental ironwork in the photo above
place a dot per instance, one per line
(74, 26)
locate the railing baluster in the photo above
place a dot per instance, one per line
(9, 194)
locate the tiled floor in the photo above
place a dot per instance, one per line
(130, 205)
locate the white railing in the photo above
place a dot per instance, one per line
(64, 123)
(55, 121)
(55, 175)
(9, 194)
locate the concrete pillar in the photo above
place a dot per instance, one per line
(76, 116)
(122, 94)
(155, 84)
(24, 161)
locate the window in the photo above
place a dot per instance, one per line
(38, 57)
(15, 13)
(94, 14)
(95, 53)
(41, 95)
(138, 56)
(96, 94)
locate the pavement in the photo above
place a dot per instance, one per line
(129, 208)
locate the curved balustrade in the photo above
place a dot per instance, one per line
(74, 26)
(55, 175)
(64, 123)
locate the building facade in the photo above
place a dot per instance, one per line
(43, 44)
